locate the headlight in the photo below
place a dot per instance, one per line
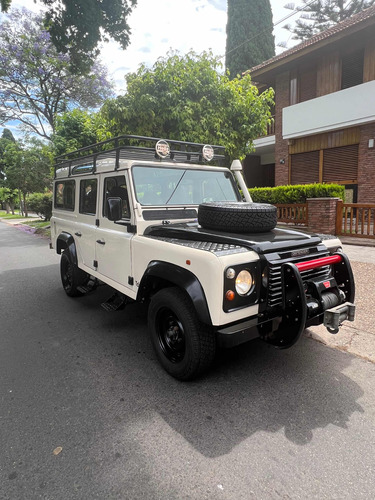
(244, 282)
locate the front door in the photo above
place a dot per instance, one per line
(113, 241)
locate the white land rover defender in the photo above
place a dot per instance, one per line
(157, 223)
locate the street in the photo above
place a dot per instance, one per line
(84, 383)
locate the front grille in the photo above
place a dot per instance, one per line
(275, 292)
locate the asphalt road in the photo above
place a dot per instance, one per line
(263, 424)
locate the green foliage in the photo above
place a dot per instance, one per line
(36, 82)
(77, 27)
(41, 204)
(27, 167)
(4, 5)
(187, 98)
(7, 134)
(320, 15)
(77, 129)
(296, 193)
(249, 35)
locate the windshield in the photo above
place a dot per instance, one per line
(173, 186)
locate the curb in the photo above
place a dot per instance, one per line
(357, 342)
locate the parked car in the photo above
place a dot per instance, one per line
(158, 222)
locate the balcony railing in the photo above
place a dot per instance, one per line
(270, 128)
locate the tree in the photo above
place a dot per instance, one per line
(76, 129)
(78, 26)
(8, 197)
(187, 98)
(27, 168)
(36, 83)
(7, 134)
(249, 35)
(320, 15)
(6, 138)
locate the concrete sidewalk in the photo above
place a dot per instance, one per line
(357, 337)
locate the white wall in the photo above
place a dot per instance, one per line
(346, 108)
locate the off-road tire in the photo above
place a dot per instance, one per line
(172, 314)
(238, 217)
(72, 277)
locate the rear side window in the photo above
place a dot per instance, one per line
(65, 194)
(87, 196)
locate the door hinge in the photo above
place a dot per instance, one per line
(96, 264)
(97, 222)
(130, 280)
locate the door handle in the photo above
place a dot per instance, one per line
(101, 242)
(78, 234)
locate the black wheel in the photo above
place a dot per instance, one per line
(71, 276)
(238, 217)
(184, 347)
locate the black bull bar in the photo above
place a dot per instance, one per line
(315, 301)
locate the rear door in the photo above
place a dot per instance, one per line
(85, 232)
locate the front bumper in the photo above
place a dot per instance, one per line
(305, 303)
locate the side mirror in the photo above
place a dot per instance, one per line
(114, 209)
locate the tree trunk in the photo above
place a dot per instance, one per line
(25, 205)
(20, 201)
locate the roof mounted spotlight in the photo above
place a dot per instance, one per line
(208, 152)
(162, 149)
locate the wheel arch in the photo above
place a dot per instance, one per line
(161, 274)
(65, 241)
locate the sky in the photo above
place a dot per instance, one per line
(159, 26)
(162, 25)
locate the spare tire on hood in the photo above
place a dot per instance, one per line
(237, 217)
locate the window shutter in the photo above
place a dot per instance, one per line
(340, 164)
(352, 69)
(305, 168)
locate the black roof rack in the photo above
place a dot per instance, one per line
(136, 147)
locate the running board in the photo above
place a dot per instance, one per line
(116, 302)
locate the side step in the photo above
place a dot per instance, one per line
(90, 286)
(115, 302)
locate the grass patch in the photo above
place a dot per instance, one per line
(4, 215)
(39, 224)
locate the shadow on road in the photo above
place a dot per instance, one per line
(251, 388)
(108, 372)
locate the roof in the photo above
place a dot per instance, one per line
(351, 24)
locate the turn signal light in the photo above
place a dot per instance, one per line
(230, 295)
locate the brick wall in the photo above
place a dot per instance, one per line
(281, 146)
(366, 166)
(322, 214)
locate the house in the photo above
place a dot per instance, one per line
(324, 121)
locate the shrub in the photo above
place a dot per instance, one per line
(296, 193)
(41, 203)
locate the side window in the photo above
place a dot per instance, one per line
(87, 196)
(115, 187)
(65, 194)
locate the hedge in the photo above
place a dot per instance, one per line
(41, 203)
(297, 193)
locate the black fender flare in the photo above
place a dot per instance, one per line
(182, 278)
(65, 241)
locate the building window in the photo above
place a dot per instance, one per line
(352, 69)
(305, 168)
(293, 87)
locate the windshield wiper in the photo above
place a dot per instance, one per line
(175, 189)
